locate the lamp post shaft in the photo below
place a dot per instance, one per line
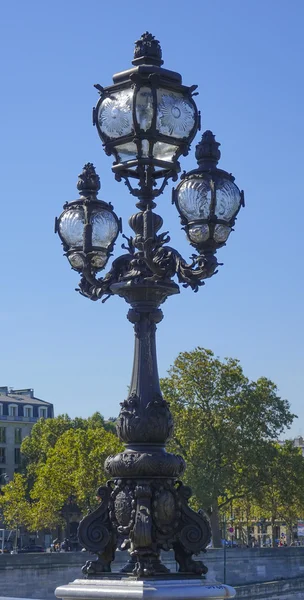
(135, 423)
(145, 381)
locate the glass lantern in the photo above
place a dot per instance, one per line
(88, 227)
(208, 199)
(147, 118)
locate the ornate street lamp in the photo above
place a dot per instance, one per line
(147, 119)
(88, 227)
(208, 199)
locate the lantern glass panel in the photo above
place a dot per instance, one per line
(144, 108)
(221, 233)
(194, 199)
(115, 114)
(145, 148)
(198, 233)
(71, 226)
(163, 151)
(104, 228)
(98, 260)
(127, 151)
(76, 261)
(228, 199)
(175, 114)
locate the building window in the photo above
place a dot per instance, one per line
(3, 476)
(17, 456)
(18, 435)
(1, 409)
(2, 435)
(42, 412)
(2, 455)
(13, 410)
(28, 411)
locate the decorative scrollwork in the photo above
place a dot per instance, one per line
(94, 288)
(193, 536)
(93, 533)
(148, 259)
(152, 423)
(167, 262)
(96, 534)
(139, 464)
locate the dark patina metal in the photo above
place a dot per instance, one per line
(207, 154)
(145, 505)
(151, 173)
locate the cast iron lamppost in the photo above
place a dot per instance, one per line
(147, 120)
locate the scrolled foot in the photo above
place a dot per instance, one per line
(187, 564)
(148, 567)
(95, 568)
(193, 536)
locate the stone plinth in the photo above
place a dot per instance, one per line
(148, 589)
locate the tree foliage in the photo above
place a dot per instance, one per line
(46, 432)
(225, 426)
(73, 468)
(280, 494)
(14, 503)
(63, 459)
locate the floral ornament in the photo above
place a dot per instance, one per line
(175, 116)
(115, 118)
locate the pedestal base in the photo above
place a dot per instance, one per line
(148, 589)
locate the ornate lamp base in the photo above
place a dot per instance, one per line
(149, 589)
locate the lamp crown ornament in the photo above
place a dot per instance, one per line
(147, 51)
(88, 181)
(207, 151)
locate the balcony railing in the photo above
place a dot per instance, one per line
(17, 418)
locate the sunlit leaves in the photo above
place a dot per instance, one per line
(64, 459)
(225, 425)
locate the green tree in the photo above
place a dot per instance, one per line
(14, 503)
(280, 493)
(223, 427)
(73, 468)
(63, 459)
(46, 432)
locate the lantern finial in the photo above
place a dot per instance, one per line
(88, 183)
(147, 51)
(207, 152)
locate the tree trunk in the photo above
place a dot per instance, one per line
(215, 526)
(67, 521)
(249, 536)
(289, 534)
(273, 532)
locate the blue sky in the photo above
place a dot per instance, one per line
(246, 56)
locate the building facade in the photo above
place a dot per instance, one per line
(19, 411)
(298, 442)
